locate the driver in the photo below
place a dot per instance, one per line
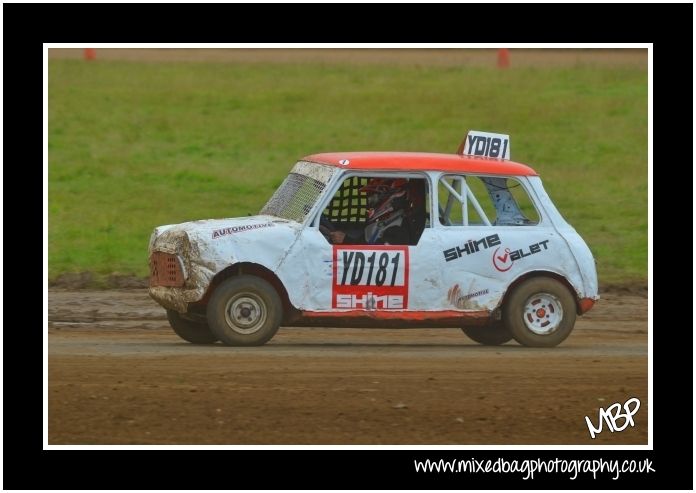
(388, 207)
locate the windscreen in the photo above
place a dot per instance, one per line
(299, 192)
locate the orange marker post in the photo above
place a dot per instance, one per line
(90, 53)
(503, 58)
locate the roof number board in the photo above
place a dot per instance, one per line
(487, 144)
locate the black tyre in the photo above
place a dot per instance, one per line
(540, 312)
(493, 335)
(244, 311)
(188, 330)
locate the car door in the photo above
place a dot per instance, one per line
(388, 279)
(358, 276)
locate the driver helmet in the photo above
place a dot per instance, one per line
(385, 196)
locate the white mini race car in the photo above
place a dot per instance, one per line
(383, 239)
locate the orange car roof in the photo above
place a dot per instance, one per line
(421, 161)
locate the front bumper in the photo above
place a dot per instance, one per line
(176, 299)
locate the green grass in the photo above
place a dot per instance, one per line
(136, 145)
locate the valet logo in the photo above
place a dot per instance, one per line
(503, 258)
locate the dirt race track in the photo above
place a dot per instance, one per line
(119, 375)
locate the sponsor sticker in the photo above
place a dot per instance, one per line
(370, 277)
(471, 246)
(238, 229)
(455, 296)
(503, 258)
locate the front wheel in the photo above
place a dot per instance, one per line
(493, 335)
(540, 312)
(188, 330)
(244, 311)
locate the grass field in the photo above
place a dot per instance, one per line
(134, 145)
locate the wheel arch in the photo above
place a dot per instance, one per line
(543, 273)
(252, 269)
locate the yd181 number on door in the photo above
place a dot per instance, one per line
(370, 268)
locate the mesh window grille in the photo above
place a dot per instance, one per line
(294, 198)
(349, 205)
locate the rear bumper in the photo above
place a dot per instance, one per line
(586, 304)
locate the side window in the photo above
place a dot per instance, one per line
(465, 200)
(457, 203)
(368, 210)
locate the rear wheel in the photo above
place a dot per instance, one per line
(493, 335)
(540, 312)
(244, 311)
(188, 330)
